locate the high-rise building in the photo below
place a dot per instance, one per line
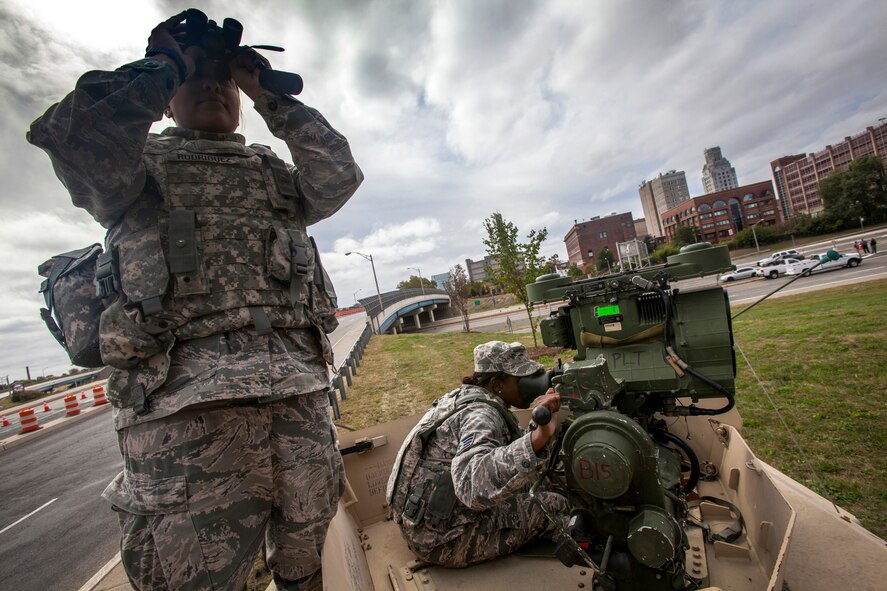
(797, 177)
(719, 216)
(717, 172)
(586, 239)
(660, 194)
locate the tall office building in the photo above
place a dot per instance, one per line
(797, 177)
(717, 172)
(660, 194)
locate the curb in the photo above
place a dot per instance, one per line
(54, 425)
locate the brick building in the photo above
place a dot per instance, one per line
(797, 177)
(660, 194)
(719, 216)
(586, 239)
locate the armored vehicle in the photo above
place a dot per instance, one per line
(666, 494)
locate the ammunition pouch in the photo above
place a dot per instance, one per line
(73, 292)
(430, 502)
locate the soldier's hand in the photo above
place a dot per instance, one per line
(543, 434)
(170, 34)
(245, 68)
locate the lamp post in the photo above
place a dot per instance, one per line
(755, 234)
(421, 283)
(355, 295)
(369, 257)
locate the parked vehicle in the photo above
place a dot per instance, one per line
(740, 273)
(846, 259)
(775, 269)
(778, 256)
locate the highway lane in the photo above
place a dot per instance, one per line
(65, 542)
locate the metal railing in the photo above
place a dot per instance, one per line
(342, 379)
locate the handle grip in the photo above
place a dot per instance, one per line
(541, 415)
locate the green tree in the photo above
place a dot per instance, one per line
(416, 282)
(518, 263)
(458, 288)
(574, 271)
(604, 260)
(860, 191)
(685, 235)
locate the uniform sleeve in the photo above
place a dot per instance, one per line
(486, 467)
(325, 172)
(95, 136)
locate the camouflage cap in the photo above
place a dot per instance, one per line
(510, 358)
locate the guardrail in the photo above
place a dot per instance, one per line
(347, 369)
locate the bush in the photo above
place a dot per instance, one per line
(663, 252)
(746, 238)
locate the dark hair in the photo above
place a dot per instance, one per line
(483, 379)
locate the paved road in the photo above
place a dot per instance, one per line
(65, 542)
(61, 545)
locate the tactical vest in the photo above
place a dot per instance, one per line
(215, 242)
(421, 492)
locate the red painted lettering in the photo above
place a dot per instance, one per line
(594, 471)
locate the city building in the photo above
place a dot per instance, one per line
(441, 279)
(640, 227)
(477, 270)
(719, 216)
(777, 167)
(587, 238)
(659, 195)
(717, 172)
(797, 177)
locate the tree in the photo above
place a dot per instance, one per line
(605, 260)
(685, 235)
(518, 263)
(858, 192)
(458, 288)
(416, 282)
(575, 272)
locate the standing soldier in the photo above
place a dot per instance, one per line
(459, 487)
(219, 308)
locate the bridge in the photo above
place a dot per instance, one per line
(406, 309)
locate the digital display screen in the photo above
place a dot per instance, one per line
(606, 311)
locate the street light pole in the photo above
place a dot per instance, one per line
(369, 257)
(354, 295)
(755, 234)
(421, 283)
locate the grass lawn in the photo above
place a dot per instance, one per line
(821, 355)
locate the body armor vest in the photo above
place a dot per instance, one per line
(215, 242)
(421, 492)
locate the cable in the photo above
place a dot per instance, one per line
(688, 451)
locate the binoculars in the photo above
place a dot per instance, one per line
(222, 43)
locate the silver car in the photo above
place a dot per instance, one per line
(740, 273)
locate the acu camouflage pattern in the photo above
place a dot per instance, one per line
(206, 229)
(509, 358)
(194, 516)
(490, 461)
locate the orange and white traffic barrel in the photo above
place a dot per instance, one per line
(98, 396)
(28, 420)
(71, 406)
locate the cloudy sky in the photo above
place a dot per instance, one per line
(546, 111)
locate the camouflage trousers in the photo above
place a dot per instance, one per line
(202, 488)
(498, 531)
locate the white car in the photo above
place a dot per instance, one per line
(778, 256)
(776, 269)
(740, 273)
(847, 259)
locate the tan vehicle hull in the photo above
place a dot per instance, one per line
(795, 539)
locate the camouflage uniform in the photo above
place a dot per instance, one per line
(217, 332)
(459, 488)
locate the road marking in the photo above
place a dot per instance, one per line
(43, 506)
(103, 572)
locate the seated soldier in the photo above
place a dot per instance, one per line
(459, 487)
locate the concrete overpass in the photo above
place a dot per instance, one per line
(406, 309)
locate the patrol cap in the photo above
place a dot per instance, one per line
(510, 358)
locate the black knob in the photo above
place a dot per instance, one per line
(541, 415)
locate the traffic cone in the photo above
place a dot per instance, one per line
(45, 407)
(5, 422)
(83, 395)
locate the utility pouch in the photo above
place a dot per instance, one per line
(74, 304)
(323, 295)
(441, 502)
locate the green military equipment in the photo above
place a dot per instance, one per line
(644, 350)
